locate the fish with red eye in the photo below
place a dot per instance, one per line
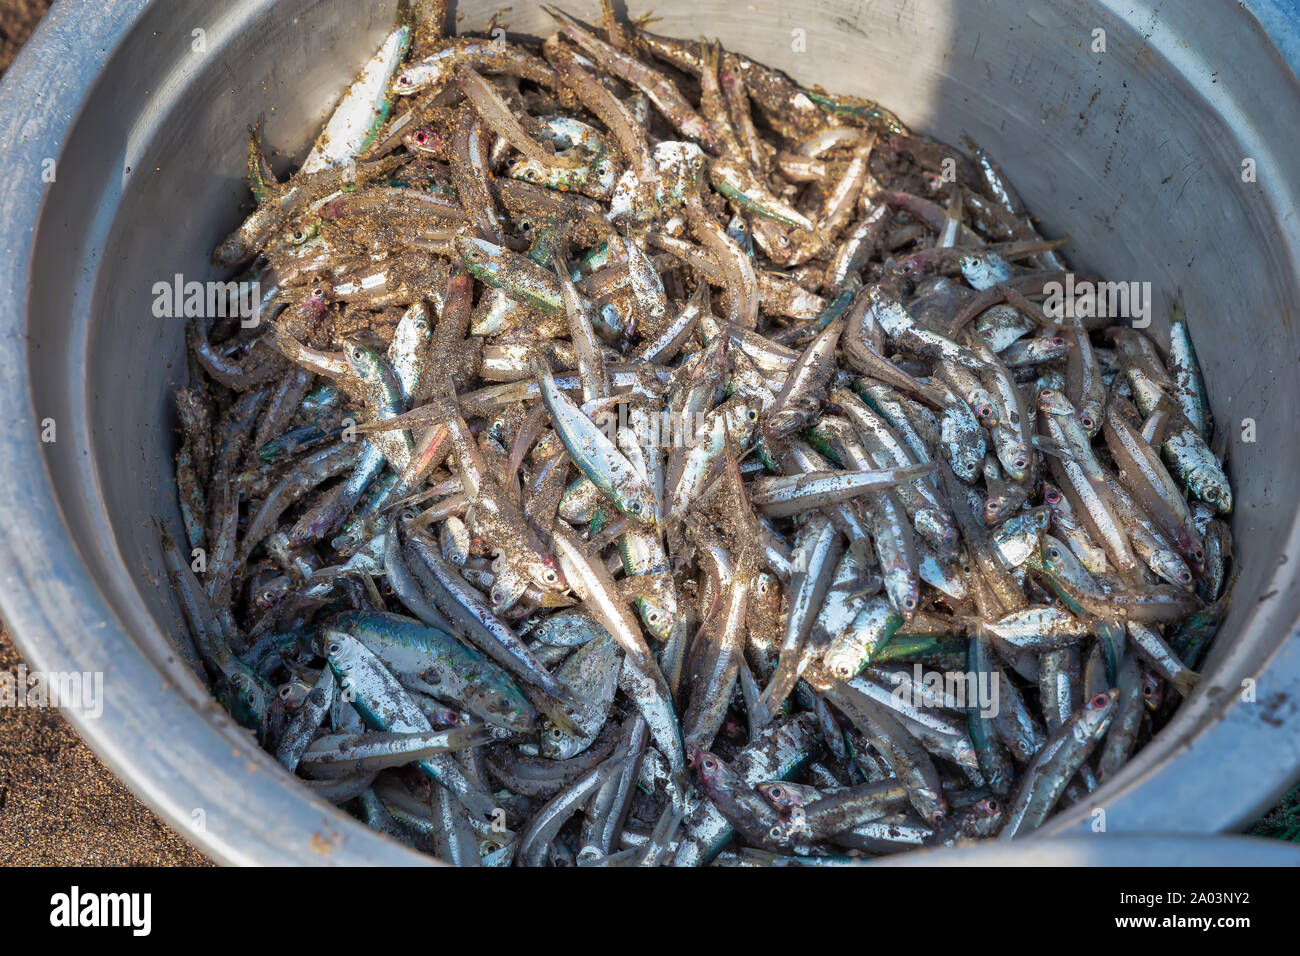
(756, 820)
(318, 298)
(298, 318)
(425, 142)
(982, 819)
(779, 795)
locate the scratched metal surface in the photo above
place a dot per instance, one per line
(1135, 153)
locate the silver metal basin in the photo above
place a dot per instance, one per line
(1136, 153)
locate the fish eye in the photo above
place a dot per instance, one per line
(783, 240)
(991, 805)
(556, 733)
(1051, 496)
(991, 505)
(937, 817)
(421, 137)
(652, 617)
(1099, 701)
(1087, 420)
(404, 80)
(983, 412)
(550, 577)
(751, 414)
(1198, 554)
(498, 596)
(909, 602)
(1185, 576)
(1020, 462)
(707, 762)
(334, 648)
(636, 507)
(318, 293)
(1058, 341)
(1053, 553)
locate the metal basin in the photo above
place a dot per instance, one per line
(1136, 152)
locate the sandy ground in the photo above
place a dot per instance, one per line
(58, 803)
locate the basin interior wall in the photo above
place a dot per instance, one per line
(1125, 151)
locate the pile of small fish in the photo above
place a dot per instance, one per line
(637, 458)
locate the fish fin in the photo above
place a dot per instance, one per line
(1185, 682)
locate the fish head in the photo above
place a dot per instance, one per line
(1054, 402)
(779, 795)
(411, 80)
(1153, 690)
(1173, 569)
(1097, 713)
(995, 508)
(363, 360)
(640, 504)
(292, 694)
(981, 403)
(546, 573)
(715, 776)
(554, 743)
(301, 233)
(658, 613)
(984, 817)
(248, 697)
(932, 806)
(844, 664)
(1206, 485)
(425, 141)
